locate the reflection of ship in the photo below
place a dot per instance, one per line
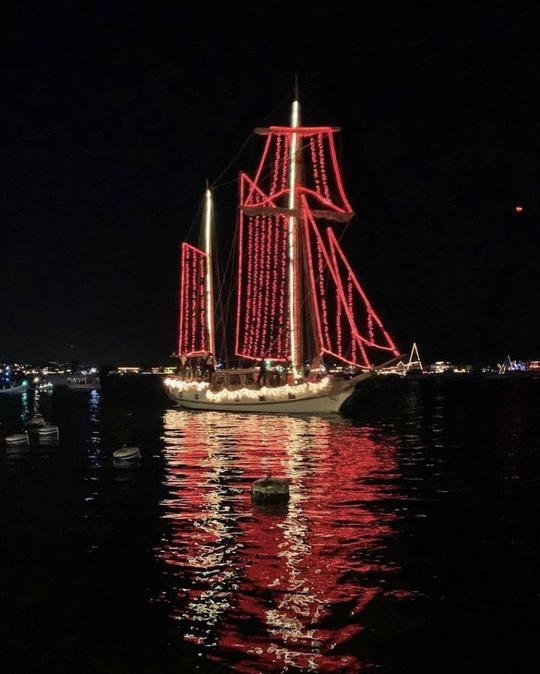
(265, 591)
(298, 298)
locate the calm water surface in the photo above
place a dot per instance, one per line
(410, 542)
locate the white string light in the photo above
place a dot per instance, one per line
(267, 393)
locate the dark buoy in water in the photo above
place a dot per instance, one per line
(270, 490)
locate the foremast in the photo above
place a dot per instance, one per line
(209, 281)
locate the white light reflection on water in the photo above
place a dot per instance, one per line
(259, 589)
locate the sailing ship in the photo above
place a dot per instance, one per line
(298, 300)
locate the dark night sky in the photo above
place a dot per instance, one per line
(112, 117)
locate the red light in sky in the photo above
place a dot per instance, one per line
(518, 209)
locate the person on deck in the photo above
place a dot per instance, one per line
(183, 363)
(199, 368)
(262, 373)
(210, 366)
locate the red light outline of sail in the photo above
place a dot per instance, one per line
(307, 131)
(331, 260)
(301, 191)
(244, 178)
(263, 199)
(333, 267)
(344, 305)
(390, 343)
(185, 293)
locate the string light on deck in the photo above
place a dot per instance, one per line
(274, 394)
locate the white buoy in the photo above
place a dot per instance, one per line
(127, 454)
(17, 439)
(270, 490)
(48, 431)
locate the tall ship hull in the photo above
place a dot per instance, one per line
(300, 308)
(301, 399)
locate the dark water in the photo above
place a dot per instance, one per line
(410, 542)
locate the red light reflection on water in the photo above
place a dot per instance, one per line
(262, 590)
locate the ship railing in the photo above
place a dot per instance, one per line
(234, 379)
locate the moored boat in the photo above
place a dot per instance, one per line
(17, 439)
(13, 389)
(48, 430)
(298, 300)
(83, 382)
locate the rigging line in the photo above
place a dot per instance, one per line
(225, 304)
(263, 176)
(233, 160)
(195, 222)
(250, 136)
(226, 312)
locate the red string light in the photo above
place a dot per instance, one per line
(283, 319)
(260, 167)
(262, 320)
(202, 300)
(257, 285)
(192, 336)
(242, 181)
(267, 226)
(337, 173)
(389, 346)
(322, 165)
(351, 309)
(285, 163)
(312, 277)
(248, 329)
(315, 164)
(277, 163)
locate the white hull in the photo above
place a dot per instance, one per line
(305, 402)
(14, 390)
(90, 386)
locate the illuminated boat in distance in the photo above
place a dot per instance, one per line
(298, 299)
(13, 389)
(80, 380)
(83, 381)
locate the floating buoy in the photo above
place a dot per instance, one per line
(270, 490)
(35, 422)
(47, 431)
(127, 454)
(17, 439)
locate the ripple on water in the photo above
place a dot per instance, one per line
(262, 589)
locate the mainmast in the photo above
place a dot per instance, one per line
(208, 281)
(293, 250)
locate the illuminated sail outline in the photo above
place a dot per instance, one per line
(193, 332)
(289, 261)
(286, 197)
